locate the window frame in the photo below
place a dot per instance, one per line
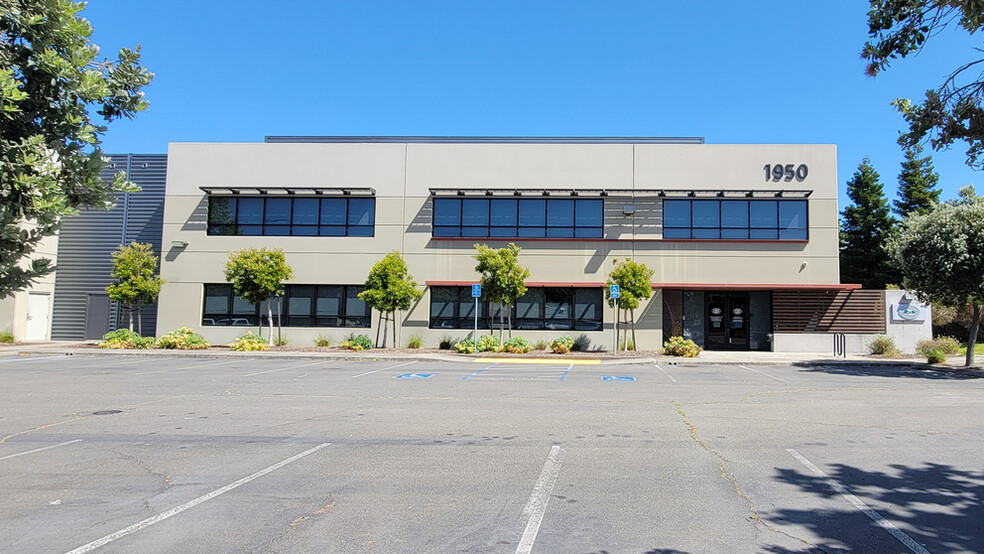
(462, 296)
(542, 229)
(290, 228)
(344, 318)
(750, 232)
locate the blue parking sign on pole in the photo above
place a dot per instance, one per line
(476, 294)
(613, 291)
(477, 291)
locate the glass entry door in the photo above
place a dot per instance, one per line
(727, 321)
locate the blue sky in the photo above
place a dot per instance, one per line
(732, 72)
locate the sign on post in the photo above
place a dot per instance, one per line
(476, 294)
(614, 293)
(477, 291)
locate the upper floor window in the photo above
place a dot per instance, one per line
(735, 219)
(518, 217)
(281, 216)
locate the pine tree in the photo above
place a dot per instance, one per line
(865, 228)
(916, 184)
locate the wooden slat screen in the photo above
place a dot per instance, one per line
(827, 311)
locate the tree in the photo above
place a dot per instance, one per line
(634, 281)
(865, 226)
(917, 182)
(135, 266)
(55, 99)
(389, 287)
(257, 275)
(503, 279)
(941, 255)
(952, 110)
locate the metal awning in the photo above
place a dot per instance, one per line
(289, 191)
(637, 193)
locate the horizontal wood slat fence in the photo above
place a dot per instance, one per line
(825, 311)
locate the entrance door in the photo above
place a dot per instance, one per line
(97, 311)
(37, 317)
(727, 321)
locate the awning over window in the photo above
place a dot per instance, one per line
(289, 191)
(637, 193)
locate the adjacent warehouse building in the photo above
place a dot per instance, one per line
(743, 238)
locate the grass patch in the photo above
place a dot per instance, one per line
(978, 348)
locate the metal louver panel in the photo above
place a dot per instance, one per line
(86, 242)
(827, 311)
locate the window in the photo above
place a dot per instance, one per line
(561, 308)
(304, 216)
(735, 219)
(303, 306)
(518, 218)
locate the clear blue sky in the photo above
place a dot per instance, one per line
(732, 72)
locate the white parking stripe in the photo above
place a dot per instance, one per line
(193, 366)
(40, 449)
(285, 368)
(859, 504)
(665, 373)
(766, 374)
(385, 368)
(191, 504)
(537, 505)
(17, 358)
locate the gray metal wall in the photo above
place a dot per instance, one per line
(87, 240)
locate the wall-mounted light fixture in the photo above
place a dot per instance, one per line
(628, 209)
(179, 244)
(803, 266)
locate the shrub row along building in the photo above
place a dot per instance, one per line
(743, 239)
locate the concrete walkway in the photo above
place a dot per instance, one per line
(69, 348)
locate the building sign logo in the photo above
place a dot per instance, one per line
(737, 311)
(909, 311)
(716, 311)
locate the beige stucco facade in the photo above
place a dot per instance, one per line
(403, 174)
(16, 314)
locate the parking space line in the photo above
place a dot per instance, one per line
(665, 373)
(385, 368)
(860, 505)
(534, 361)
(16, 358)
(536, 507)
(465, 378)
(192, 503)
(194, 366)
(766, 374)
(285, 368)
(564, 376)
(40, 449)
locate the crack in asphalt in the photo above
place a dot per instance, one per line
(755, 518)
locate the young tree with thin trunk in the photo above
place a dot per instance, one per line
(56, 98)
(135, 268)
(634, 281)
(389, 287)
(257, 275)
(503, 279)
(865, 228)
(941, 255)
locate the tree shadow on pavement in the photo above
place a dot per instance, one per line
(901, 370)
(937, 505)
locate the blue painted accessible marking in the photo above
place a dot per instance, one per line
(566, 373)
(415, 376)
(617, 378)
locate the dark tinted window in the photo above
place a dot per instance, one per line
(518, 217)
(278, 216)
(735, 219)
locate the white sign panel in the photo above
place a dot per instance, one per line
(908, 311)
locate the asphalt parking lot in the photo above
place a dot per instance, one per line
(157, 454)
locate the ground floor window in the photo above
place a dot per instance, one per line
(564, 308)
(302, 306)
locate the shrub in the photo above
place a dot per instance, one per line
(6, 337)
(322, 341)
(445, 342)
(356, 343)
(465, 346)
(948, 346)
(125, 339)
(415, 341)
(935, 356)
(486, 343)
(628, 345)
(282, 340)
(581, 343)
(517, 345)
(249, 343)
(562, 345)
(883, 345)
(679, 346)
(540, 345)
(182, 339)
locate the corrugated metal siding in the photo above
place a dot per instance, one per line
(86, 242)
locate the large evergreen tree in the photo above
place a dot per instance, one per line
(865, 227)
(917, 182)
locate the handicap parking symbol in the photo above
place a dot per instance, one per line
(617, 378)
(415, 376)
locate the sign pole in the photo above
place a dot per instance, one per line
(614, 293)
(476, 293)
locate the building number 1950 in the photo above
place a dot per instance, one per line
(786, 172)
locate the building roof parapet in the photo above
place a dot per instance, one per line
(482, 140)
